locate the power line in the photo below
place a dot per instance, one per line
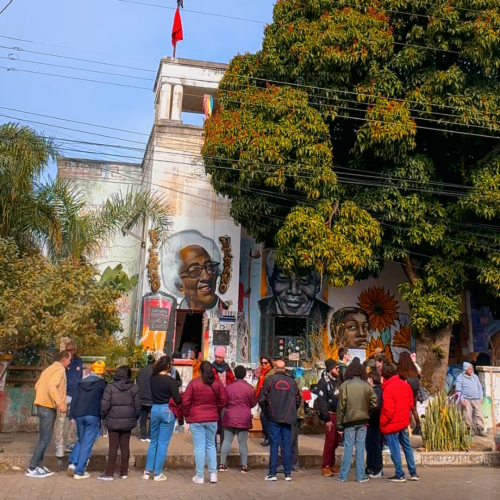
(5, 8)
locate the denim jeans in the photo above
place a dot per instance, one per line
(354, 436)
(280, 434)
(89, 429)
(161, 427)
(393, 441)
(204, 446)
(47, 417)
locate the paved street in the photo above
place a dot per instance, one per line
(444, 484)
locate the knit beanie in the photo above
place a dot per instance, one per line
(98, 367)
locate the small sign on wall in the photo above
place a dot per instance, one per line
(221, 337)
(158, 319)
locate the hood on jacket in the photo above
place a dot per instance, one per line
(88, 383)
(466, 366)
(123, 385)
(392, 379)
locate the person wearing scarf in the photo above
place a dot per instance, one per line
(221, 369)
(266, 370)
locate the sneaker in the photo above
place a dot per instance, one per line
(85, 475)
(198, 480)
(222, 468)
(124, 477)
(414, 477)
(213, 477)
(105, 477)
(396, 479)
(376, 474)
(144, 440)
(335, 469)
(265, 443)
(288, 477)
(364, 480)
(244, 469)
(71, 470)
(146, 475)
(327, 472)
(160, 477)
(342, 480)
(39, 472)
(271, 477)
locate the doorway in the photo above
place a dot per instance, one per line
(188, 332)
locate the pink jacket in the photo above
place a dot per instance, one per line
(241, 399)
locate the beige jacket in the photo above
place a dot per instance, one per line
(51, 386)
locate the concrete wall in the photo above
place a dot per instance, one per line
(15, 410)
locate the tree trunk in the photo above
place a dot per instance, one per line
(434, 367)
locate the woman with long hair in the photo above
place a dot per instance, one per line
(204, 399)
(266, 369)
(120, 408)
(163, 389)
(356, 400)
(408, 371)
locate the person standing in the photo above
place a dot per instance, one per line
(408, 372)
(121, 407)
(470, 394)
(356, 400)
(397, 403)
(344, 358)
(279, 399)
(163, 389)
(328, 398)
(204, 399)
(266, 370)
(63, 426)
(194, 356)
(85, 410)
(143, 383)
(237, 419)
(374, 439)
(221, 369)
(50, 397)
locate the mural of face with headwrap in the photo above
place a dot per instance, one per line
(351, 327)
(190, 267)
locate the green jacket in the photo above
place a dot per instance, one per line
(356, 400)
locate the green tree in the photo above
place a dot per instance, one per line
(53, 215)
(365, 132)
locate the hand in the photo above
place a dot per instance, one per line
(61, 408)
(464, 403)
(340, 432)
(329, 426)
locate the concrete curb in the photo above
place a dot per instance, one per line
(261, 460)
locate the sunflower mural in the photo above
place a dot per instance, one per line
(380, 306)
(376, 346)
(402, 337)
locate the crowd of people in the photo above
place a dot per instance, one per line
(367, 405)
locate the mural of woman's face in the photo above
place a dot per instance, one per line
(356, 330)
(199, 277)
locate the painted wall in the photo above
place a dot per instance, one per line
(15, 410)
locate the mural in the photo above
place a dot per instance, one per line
(292, 295)
(191, 266)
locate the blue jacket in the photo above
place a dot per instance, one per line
(74, 375)
(469, 387)
(87, 398)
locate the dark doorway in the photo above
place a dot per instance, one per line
(188, 329)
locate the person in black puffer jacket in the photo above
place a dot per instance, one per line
(121, 407)
(143, 383)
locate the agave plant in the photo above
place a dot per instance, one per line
(53, 215)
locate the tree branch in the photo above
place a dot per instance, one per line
(410, 270)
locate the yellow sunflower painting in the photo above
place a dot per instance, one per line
(377, 346)
(402, 338)
(380, 306)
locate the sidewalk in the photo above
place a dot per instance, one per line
(18, 447)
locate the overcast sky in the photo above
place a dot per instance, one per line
(110, 31)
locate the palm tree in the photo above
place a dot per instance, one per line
(53, 215)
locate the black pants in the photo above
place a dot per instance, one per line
(265, 425)
(145, 428)
(374, 444)
(118, 439)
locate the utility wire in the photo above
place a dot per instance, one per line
(5, 8)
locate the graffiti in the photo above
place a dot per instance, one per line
(293, 295)
(243, 340)
(191, 268)
(153, 263)
(227, 261)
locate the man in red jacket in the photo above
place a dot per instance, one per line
(397, 403)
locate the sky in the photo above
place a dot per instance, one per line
(113, 32)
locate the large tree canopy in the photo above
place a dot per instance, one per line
(367, 131)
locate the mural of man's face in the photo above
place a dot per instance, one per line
(295, 296)
(356, 330)
(199, 277)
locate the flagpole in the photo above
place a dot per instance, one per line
(175, 49)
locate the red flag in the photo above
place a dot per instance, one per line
(177, 35)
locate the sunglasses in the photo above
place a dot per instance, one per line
(265, 363)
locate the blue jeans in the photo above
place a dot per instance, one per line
(393, 441)
(89, 429)
(47, 417)
(161, 428)
(280, 433)
(204, 447)
(354, 436)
